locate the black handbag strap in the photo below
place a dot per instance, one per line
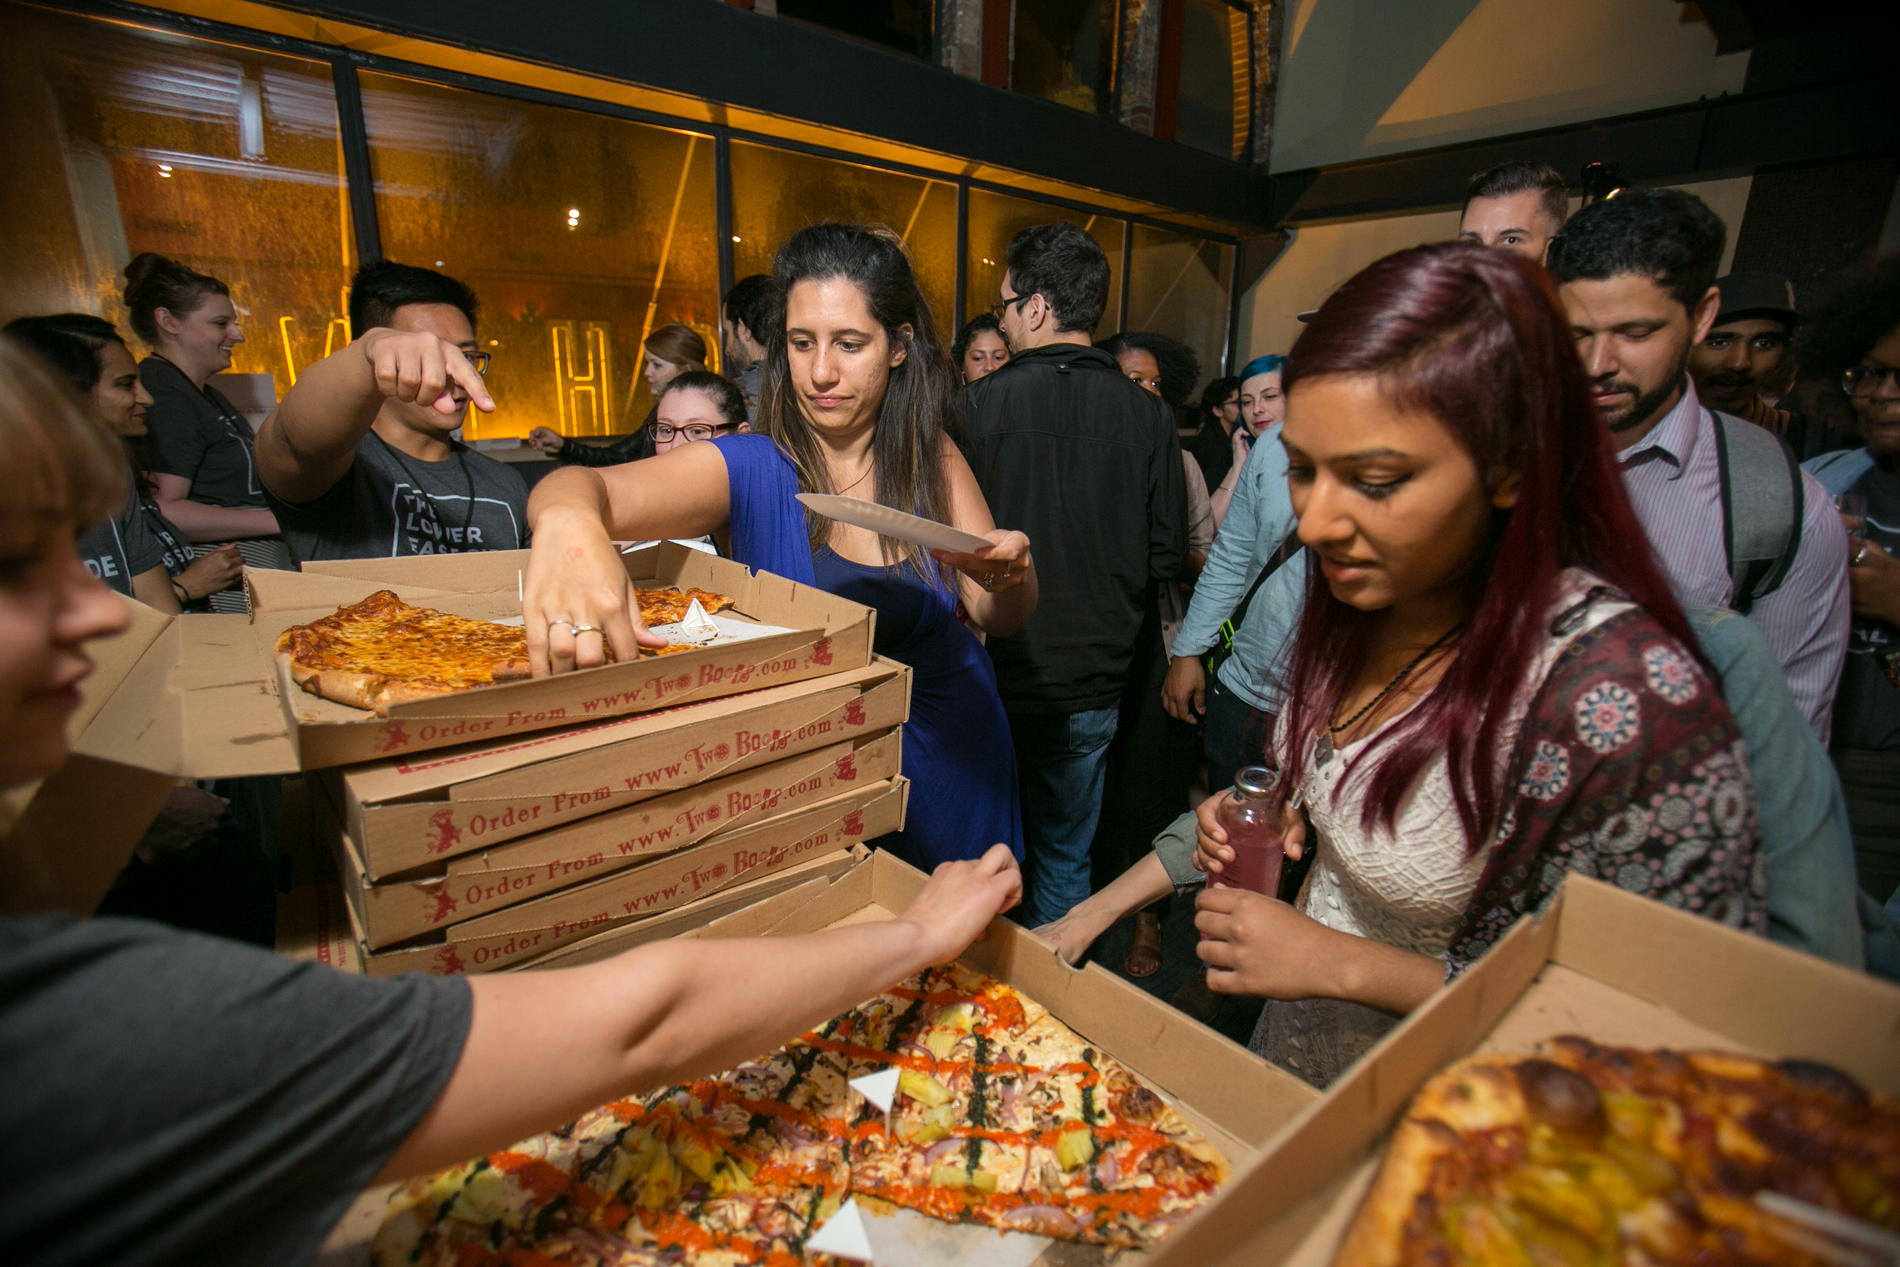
(1289, 546)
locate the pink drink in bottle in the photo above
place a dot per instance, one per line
(1253, 833)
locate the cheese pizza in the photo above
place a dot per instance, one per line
(1003, 1117)
(381, 651)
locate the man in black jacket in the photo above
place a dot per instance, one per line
(1084, 461)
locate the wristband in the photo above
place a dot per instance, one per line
(180, 593)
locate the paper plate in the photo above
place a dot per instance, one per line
(893, 523)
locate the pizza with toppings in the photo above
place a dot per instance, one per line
(1003, 1117)
(381, 651)
(1584, 1154)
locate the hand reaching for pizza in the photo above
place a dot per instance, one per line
(960, 899)
(576, 598)
(423, 369)
(1210, 838)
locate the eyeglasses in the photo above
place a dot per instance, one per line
(664, 431)
(479, 360)
(1865, 380)
(998, 309)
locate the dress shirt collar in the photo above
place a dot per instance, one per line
(1674, 438)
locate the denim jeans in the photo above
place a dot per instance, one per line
(1234, 734)
(1061, 767)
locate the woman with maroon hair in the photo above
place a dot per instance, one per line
(1490, 685)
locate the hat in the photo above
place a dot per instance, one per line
(1757, 295)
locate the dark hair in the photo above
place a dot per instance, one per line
(907, 446)
(723, 392)
(69, 342)
(1180, 368)
(976, 325)
(63, 465)
(153, 282)
(1666, 235)
(749, 303)
(379, 289)
(1522, 176)
(1066, 267)
(1476, 338)
(1215, 394)
(1856, 312)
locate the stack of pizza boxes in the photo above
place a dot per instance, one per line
(484, 829)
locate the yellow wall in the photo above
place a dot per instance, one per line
(1362, 78)
(1323, 256)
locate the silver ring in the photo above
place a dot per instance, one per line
(581, 629)
(568, 623)
(1860, 557)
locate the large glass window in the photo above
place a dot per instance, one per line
(996, 218)
(1065, 51)
(1213, 112)
(579, 233)
(900, 24)
(775, 193)
(1179, 286)
(119, 141)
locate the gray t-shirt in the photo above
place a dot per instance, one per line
(176, 1098)
(122, 547)
(390, 505)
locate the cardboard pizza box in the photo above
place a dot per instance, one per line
(411, 811)
(1237, 1099)
(1606, 964)
(522, 869)
(515, 934)
(64, 838)
(821, 633)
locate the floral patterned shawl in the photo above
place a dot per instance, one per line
(1629, 768)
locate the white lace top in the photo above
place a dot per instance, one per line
(1413, 894)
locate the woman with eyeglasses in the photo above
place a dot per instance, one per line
(698, 405)
(1854, 338)
(856, 401)
(361, 459)
(671, 351)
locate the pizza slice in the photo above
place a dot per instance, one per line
(669, 606)
(381, 651)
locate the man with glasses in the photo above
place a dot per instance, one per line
(361, 459)
(1084, 461)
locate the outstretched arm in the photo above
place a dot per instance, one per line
(674, 1010)
(575, 575)
(309, 441)
(1005, 605)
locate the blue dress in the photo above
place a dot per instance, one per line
(957, 750)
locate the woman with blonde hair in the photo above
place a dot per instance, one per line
(671, 350)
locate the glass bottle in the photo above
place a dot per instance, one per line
(1252, 825)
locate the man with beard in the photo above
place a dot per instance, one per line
(1733, 521)
(1744, 349)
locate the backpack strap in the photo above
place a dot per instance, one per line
(1763, 501)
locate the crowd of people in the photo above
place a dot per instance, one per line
(1542, 551)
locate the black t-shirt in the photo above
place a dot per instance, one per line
(175, 550)
(1867, 705)
(175, 1098)
(122, 547)
(199, 436)
(390, 505)
(1213, 448)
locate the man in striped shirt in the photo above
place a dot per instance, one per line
(1638, 273)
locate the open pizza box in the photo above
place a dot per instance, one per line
(815, 633)
(64, 838)
(1608, 965)
(414, 811)
(515, 934)
(520, 870)
(1238, 1100)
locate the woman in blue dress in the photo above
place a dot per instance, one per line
(855, 402)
